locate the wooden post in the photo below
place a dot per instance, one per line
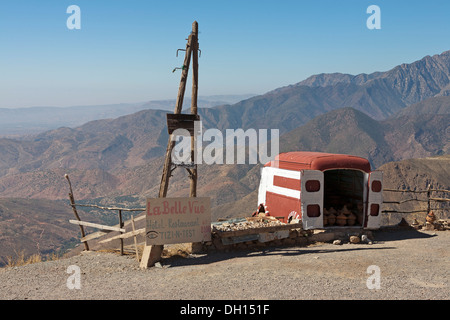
(121, 226)
(75, 212)
(179, 106)
(428, 198)
(152, 254)
(135, 238)
(193, 172)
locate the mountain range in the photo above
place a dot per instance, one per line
(17, 122)
(384, 116)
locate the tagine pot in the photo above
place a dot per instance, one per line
(351, 219)
(341, 220)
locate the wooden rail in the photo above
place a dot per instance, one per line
(102, 228)
(429, 199)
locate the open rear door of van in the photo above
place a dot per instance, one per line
(312, 198)
(375, 200)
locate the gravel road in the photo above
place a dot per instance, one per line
(412, 265)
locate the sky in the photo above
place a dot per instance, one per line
(125, 51)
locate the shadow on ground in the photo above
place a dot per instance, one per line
(381, 237)
(178, 261)
(399, 233)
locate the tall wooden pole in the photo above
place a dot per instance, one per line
(151, 255)
(193, 182)
(179, 106)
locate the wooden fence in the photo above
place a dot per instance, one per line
(103, 229)
(430, 200)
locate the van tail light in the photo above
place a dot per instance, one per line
(313, 210)
(374, 209)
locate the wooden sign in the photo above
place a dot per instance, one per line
(178, 220)
(182, 121)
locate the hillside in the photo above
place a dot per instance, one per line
(35, 227)
(435, 105)
(344, 130)
(416, 175)
(350, 131)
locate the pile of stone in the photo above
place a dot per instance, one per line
(248, 223)
(431, 223)
(253, 233)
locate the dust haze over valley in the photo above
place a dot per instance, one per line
(390, 118)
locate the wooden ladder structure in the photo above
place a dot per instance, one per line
(152, 254)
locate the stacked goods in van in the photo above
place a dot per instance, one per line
(343, 216)
(329, 216)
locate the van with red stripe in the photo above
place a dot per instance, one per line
(308, 185)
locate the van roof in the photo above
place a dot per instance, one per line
(302, 160)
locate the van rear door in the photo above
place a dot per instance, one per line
(311, 198)
(375, 200)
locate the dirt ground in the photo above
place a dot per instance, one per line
(410, 264)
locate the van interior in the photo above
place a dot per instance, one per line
(343, 197)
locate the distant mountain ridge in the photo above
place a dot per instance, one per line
(428, 77)
(34, 120)
(379, 95)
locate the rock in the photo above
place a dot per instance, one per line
(301, 240)
(337, 242)
(428, 226)
(416, 225)
(289, 242)
(354, 239)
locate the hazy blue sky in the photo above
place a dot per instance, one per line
(125, 50)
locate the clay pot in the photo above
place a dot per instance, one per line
(431, 217)
(341, 220)
(331, 219)
(351, 219)
(325, 220)
(345, 211)
(332, 211)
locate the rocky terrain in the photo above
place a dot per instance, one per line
(412, 265)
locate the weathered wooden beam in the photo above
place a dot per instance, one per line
(99, 234)
(108, 208)
(194, 175)
(74, 208)
(171, 144)
(95, 235)
(124, 235)
(95, 225)
(133, 227)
